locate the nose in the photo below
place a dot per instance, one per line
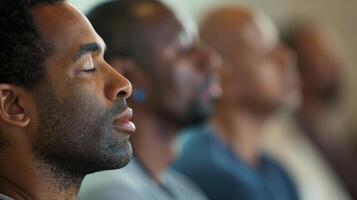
(209, 60)
(116, 85)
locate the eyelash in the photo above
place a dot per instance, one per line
(90, 70)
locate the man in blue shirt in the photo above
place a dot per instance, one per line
(258, 78)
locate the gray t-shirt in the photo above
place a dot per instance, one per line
(4, 197)
(133, 183)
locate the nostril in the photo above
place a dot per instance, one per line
(122, 94)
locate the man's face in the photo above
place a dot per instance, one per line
(185, 84)
(321, 66)
(82, 119)
(267, 72)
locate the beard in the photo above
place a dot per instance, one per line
(196, 115)
(76, 137)
(196, 112)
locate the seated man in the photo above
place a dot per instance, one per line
(258, 78)
(173, 76)
(62, 107)
(318, 120)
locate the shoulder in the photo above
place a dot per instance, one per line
(279, 172)
(275, 166)
(194, 136)
(181, 184)
(201, 154)
(195, 146)
(216, 181)
(111, 185)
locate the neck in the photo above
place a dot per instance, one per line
(22, 178)
(241, 131)
(154, 144)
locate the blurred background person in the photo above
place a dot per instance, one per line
(321, 67)
(333, 13)
(174, 81)
(314, 141)
(258, 78)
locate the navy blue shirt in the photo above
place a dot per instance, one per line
(223, 176)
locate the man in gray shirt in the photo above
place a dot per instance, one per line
(133, 183)
(174, 81)
(3, 197)
(63, 111)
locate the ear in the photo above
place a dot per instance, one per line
(12, 107)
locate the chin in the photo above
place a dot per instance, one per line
(123, 156)
(118, 157)
(127, 156)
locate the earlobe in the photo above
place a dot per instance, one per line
(139, 95)
(130, 69)
(12, 108)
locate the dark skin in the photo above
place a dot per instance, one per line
(46, 128)
(183, 75)
(320, 66)
(321, 69)
(258, 77)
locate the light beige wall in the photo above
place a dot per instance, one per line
(339, 14)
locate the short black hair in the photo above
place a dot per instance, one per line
(22, 50)
(123, 30)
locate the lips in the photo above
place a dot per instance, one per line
(123, 124)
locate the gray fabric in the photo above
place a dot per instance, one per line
(4, 197)
(133, 183)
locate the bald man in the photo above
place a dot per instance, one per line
(258, 78)
(174, 80)
(321, 68)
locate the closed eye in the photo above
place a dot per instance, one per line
(89, 65)
(90, 70)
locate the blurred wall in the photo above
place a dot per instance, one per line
(339, 14)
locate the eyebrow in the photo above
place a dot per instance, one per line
(92, 47)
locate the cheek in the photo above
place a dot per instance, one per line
(89, 91)
(232, 88)
(263, 84)
(269, 80)
(185, 83)
(84, 103)
(33, 113)
(88, 100)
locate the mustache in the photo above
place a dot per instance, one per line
(119, 107)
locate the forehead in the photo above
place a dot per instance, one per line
(63, 26)
(261, 34)
(164, 26)
(267, 28)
